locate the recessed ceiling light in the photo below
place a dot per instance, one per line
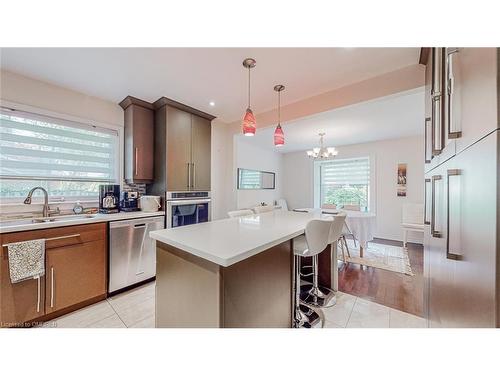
(211, 104)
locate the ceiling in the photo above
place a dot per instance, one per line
(394, 116)
(197, 76)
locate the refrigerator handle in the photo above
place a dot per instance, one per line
(434, 232)
(450, 173)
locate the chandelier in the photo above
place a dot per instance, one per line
(322, 152)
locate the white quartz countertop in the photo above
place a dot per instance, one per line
(229, 241)
(27, 224)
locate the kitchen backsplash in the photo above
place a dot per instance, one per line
(141, 188)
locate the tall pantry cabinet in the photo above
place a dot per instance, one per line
(461, 187)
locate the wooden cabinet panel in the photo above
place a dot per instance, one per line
(178, 150)
(20, 302)
(139, 140)
(79, 254)
(474, 94)
(75, 273)
(201, 145)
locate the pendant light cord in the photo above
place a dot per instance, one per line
(279, 108)
(249, 87)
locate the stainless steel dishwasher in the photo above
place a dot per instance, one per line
(132, 253)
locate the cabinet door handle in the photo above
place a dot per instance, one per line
(194, 176)
(450, 86)
(136, 156)
(434, 232)
(38, 295)
(436, 126)
(51, 287)
(426, 219)
(427, 132)
(189, 175)
(450, 255)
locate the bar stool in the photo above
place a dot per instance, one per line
(317, 295)
(317, 236)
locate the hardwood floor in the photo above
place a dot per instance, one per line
(392, 289)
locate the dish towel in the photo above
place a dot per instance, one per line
(26, 260)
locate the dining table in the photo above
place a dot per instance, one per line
(361, 224)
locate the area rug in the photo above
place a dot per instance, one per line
(386, 257)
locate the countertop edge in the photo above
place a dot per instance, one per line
(224, 262)
(101, 218)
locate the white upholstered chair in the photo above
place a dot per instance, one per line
(328, 206)
(262, 209)
(282, 203)
(351, 207)
(412, 220)
(238, 213)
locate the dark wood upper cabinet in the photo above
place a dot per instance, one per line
(139, 140)
(182, 148)
(200, 152)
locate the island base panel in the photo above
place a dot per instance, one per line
(254, 293)
(188, 291)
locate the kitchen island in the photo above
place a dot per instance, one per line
(235, 272)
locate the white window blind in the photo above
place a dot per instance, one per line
(45, 148)
(345, 182)
(346, 172)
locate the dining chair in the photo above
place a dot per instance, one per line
(351, 207)
(412, 220)
(328, 206)
(282, 203)
(262, 209)
(238, 213)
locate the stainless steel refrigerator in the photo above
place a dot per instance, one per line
(461, 257)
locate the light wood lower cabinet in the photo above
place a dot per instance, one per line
(75, 272)
(19, 302)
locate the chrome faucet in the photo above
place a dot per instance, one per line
(46, 209)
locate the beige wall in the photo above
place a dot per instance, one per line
(27, 91)
(387, 84)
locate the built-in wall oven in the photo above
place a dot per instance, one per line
(187, 207)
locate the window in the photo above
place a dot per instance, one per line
(68, 159)
(344, 181)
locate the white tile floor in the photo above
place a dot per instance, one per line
(354, 312)
(135, 309)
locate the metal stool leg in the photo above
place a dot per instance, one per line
(319, 296)
(304, 316)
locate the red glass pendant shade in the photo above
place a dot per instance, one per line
(279, 136)
(249, 123)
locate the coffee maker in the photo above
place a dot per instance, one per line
(129, 200)
(109, 199)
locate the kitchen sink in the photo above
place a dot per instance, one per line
(62, 218)
(38, 220)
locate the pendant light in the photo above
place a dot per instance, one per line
(322, 152)
(279, 136)
(249, 123)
